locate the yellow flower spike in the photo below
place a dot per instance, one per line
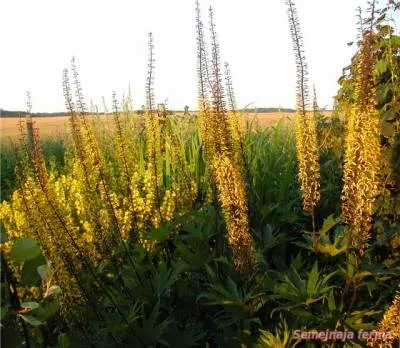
(308, 159)
(363, 152)
(232, 195)
(395, 242)
(389, 324)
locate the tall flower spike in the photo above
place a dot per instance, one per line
(105, 108)
(29, 120)
(153, 137)
(233, 200)
(389, 324)
(80, 100)
(88, 137)
(298, 48)
(315, 101)
(28, 103)
(229, 88)
(306, 135)
(218, 96)
(127, 106)
(236, 123)
(123, 161)
(362, 150)
(69, 102)
(150, 78)
(34, 150)
(372, 11)
(74, 123)
(204, 88)
(360, 23)
(92, 107)
(219, 124)
(120, 135)
(202, 63)
(70, 106)
(224, 168)
(38, 160)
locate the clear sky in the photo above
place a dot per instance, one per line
(109, 42)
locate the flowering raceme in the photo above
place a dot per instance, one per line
(363, 151)
(232, 195)
(223, 163)
(390, 323)
(308, 159)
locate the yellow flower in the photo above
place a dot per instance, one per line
(308, 159)
(232, 195)
(389, 324)
(363, 151)
(88, 237)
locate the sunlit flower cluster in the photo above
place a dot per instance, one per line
(232, 195)
(363, 151)
(308, 160)
(390, 323)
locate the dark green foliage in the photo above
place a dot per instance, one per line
(53, 151)
(273, 189)
(330, 131)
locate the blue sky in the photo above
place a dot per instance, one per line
(109, 42)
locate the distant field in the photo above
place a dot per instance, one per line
(269, 118)
(49, 126)
(58, 126)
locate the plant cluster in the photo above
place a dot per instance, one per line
(164, 231)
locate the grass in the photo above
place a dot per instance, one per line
(54, 148)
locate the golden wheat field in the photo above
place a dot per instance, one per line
(58, 125)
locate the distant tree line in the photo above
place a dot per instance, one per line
(261, 110)
(10, 113)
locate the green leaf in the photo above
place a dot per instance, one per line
(3, 312)
(395, 40)
(63, 341)
(329, 223)
(29, 274)
(387, 129)
(31, 320)
(331, 301)
(331, 249)
(351, 261)
(362, 275)
(312, 279)
(3, 235)
(116, 327)
(30, 305)
(312, 300)
(189, 336)
(44, 272)
(53, 290)
(161, 233)
(391, 113)
(24, 249)
(47, 310)
(381, 66)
